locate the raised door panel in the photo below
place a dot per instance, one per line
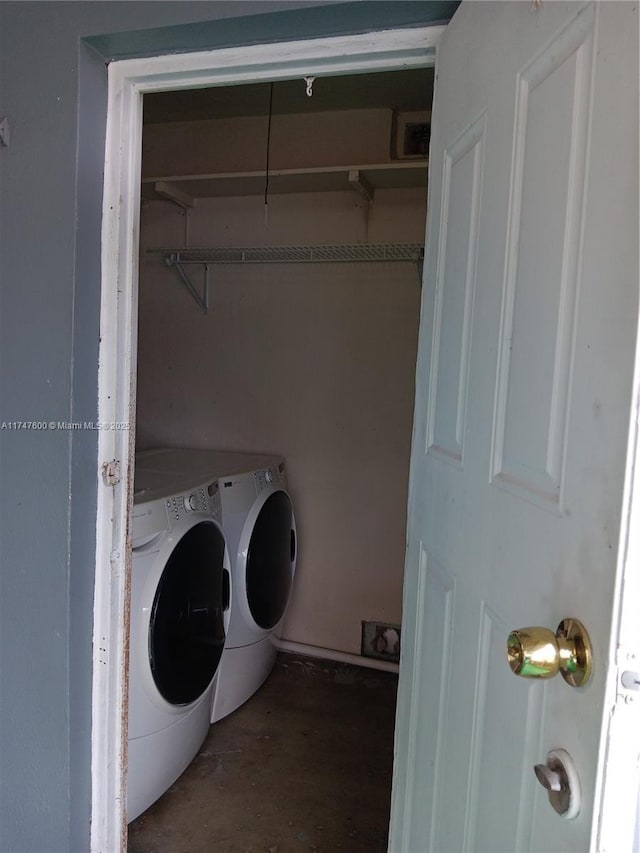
(542, 265)
(455, 290)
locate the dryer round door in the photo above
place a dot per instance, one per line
(187, 620)
(270, 558)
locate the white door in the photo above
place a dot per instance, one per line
(524, 385)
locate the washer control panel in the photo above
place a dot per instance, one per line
(197, 500)
(175, 507)
(215, 505)
(202, 499)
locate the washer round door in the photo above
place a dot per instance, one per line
(271, 559)
(187, 620)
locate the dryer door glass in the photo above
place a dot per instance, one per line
(186, 630)
(269, 561)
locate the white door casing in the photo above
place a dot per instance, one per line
(518, 513)
(128, 81)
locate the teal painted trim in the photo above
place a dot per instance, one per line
(316, 22)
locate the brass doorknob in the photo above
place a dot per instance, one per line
(539, 653)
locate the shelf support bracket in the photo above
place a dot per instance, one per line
(184, 201)
(167, 190)
(174, 261)
(359, 183)
(362, 186)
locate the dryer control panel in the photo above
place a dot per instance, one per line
(266, 477)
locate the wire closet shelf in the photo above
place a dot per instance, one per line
(366, 252)
(178, 259)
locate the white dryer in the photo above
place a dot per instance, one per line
(180, 612)
(259, 524)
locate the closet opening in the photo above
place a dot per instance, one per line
(281, 233)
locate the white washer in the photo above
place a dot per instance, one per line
(259, 524)
(180, 612)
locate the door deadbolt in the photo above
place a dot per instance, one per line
(539, 653)
(560, 778)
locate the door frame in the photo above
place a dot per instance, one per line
(128, 81)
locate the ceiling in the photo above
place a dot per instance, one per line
(405, 91)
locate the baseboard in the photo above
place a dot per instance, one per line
(333, 654)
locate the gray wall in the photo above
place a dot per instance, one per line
(53, 91)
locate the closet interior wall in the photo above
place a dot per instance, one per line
(313, 361)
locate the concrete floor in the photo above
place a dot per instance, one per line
(304, 765)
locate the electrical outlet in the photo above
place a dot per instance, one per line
(381, 640)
